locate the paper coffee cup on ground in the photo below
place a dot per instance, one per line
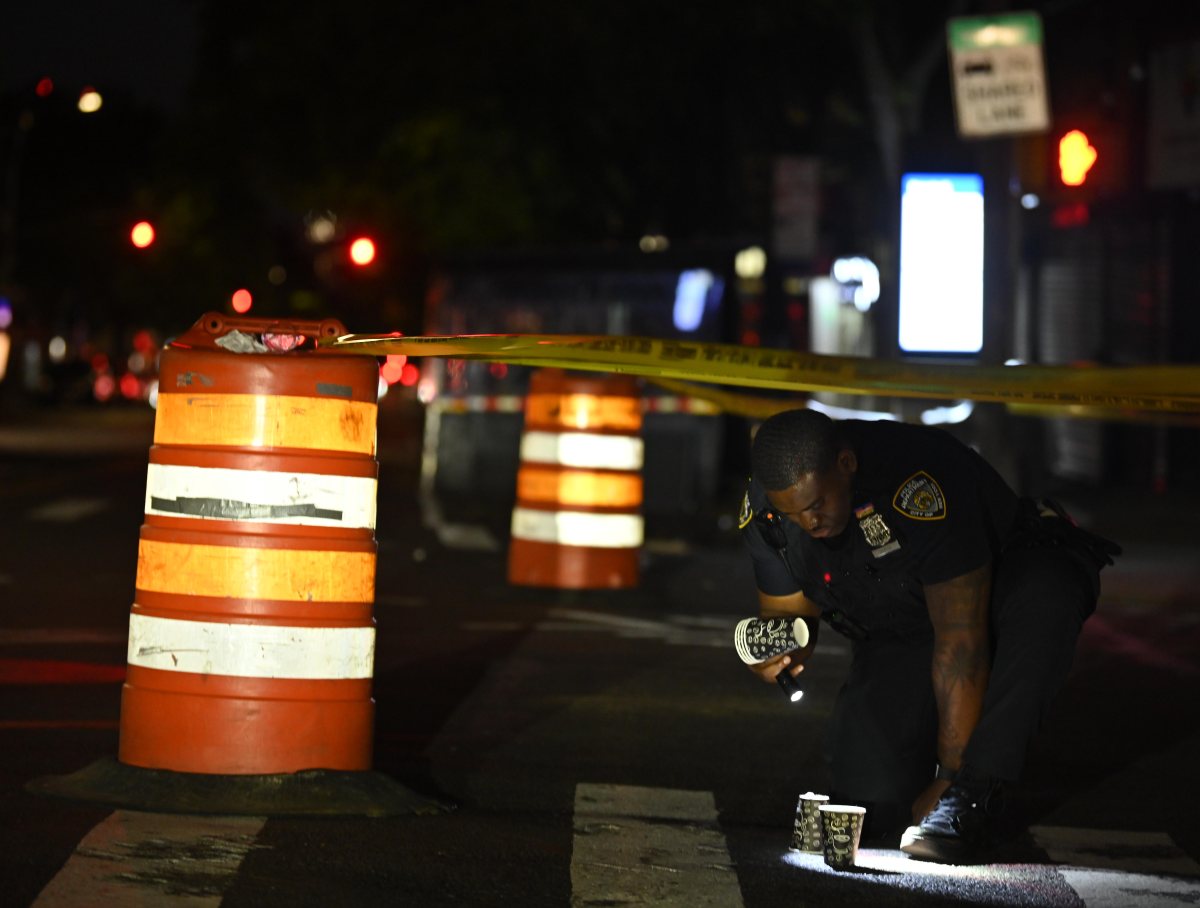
(806, 834)
(841, 826)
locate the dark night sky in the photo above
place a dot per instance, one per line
(141, 47)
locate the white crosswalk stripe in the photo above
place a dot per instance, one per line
(133, 858)
(1112, 868)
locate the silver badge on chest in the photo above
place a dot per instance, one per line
(875, 530)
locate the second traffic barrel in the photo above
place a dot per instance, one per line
(577, 522)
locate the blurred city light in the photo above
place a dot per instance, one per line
(1075, 157)
(104, 387)
(941, 263)
(393, 368)
(6, 315)
(654, 242)
(44, 87)
(861, 272)
(142, 234)
(57, 349)
(751, 263)
(143, 341)
(131, 387)
(5, 346)
(322, 228)
(90, 100)
(241, 301)
(1030, 201)
(362, 251)
(277, 274)
(691, 297)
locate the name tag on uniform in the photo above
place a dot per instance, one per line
(876, 531)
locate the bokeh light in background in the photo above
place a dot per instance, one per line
(57, 349)
(44, 87)
(241, 301)
(142, 234)
(362, 251)
(131, 386)
(322, 228)
(104, 387)
(393, 369)
(6, 315)
(90, 100)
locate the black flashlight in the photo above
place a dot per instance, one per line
(790, 686)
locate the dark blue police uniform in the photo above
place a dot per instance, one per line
(927, 508)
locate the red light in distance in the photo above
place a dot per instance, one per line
(142, 234)
(362, 251)
(241, 300)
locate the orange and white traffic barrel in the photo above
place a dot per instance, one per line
(577, 521)
(252, 635)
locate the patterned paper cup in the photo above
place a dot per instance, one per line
(841, 825)
(807, 835)
(757, 640)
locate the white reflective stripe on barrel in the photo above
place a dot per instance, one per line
(605, 531)
(260, 496)
(583, 449)
(251, 650)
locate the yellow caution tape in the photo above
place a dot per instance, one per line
(1167, 389)
(760, 408)
(1108, 414)
(747, 405)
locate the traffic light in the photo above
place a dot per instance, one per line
(362, 251)
(1076, 157)
(142, 234)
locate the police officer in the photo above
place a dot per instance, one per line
(963, 603)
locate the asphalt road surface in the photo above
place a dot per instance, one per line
(596, 748)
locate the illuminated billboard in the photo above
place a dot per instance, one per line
(941, 263)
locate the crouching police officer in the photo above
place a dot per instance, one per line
(963, 603)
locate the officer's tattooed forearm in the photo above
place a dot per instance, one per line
(958, 610)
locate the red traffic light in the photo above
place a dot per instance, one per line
(362, 251)
(1075, 157)
(142, 234)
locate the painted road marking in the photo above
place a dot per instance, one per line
(1113, 868)
(649, 846)
(1117, 889)
(134, 858)
(67, 510)
(675, 630)
(1113, 849)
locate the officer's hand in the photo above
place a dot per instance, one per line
(928, 799)
(770, 669)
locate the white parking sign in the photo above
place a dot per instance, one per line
(999, 74)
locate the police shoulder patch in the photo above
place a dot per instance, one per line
(921, 498)
(745, 513)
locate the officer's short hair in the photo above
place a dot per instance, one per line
(791, 444)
